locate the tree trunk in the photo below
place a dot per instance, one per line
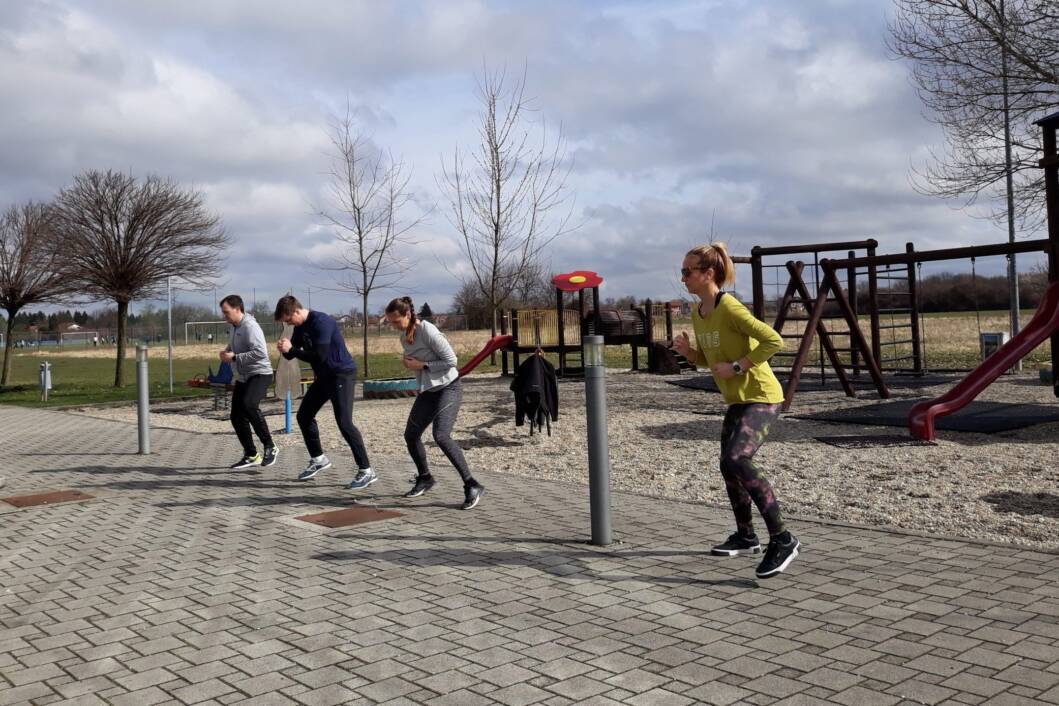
(364, 309)
(119, 370)
(7, 347)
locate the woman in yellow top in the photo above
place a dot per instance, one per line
(736, 347)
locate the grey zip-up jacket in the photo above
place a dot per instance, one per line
(251, 352)
(430, 346)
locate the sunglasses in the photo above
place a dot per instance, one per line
(686, 271)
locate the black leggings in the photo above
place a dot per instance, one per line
(744, 430)
(339, 390)
(437, 407)
(246, 414)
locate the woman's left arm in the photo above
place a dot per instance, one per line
(444, 356)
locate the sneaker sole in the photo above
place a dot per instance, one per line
(241, 466)
(786, 562)
(361, 487)
(736, 552)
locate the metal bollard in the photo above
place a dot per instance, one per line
(598, 445)
(45, 380)
(142, 402)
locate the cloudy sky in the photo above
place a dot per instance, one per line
(778, 122)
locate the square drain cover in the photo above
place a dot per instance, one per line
(55, 496)
(349, 516)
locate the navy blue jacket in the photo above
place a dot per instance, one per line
(319, 342)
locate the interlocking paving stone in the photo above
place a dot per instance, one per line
(184, 583)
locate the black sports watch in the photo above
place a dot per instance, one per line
(737, 367)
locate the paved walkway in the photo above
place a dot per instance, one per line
(181, 583)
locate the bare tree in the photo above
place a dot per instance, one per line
(122, 238)
(509, 203)
(985, 70)
(369, 192)
(29, 273)
(982, 66)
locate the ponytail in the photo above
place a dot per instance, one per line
(404, 307)
(715, 255)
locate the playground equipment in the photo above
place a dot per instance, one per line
(1044, 324)
(561, 330)
(868, 352)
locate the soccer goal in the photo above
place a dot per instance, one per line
(78, 339)
(206, 331)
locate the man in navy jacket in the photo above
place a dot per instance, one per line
(317, 341)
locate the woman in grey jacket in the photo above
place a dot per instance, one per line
(428, 353)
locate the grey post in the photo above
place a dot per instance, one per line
(142, 403)
(598, 446)
(45, 380)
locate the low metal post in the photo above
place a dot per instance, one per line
(45, 380)
(598, 447)
(142, 402)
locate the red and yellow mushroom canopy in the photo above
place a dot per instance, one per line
(577, 280)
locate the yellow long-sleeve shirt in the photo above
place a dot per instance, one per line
(731, 333)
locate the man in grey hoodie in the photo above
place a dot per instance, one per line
(247, 353)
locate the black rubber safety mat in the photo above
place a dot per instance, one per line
(811, 383)
(979, 417)
(872, 441)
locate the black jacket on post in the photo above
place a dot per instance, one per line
(536, 391)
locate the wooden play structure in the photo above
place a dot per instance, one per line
(560, 330)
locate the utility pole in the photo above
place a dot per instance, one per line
(1013, 272)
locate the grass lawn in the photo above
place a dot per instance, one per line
(78, 380)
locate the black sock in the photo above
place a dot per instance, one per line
(783, 538)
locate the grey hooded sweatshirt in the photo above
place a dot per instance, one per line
(251, 351)
(430, 346)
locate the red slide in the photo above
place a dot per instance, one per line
(1044, 323)
(495, 344)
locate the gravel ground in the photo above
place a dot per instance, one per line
(664, 442)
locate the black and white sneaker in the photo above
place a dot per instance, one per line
(472, 495)
(778, 556)
(271, 453)
(315, 467)
(737, 544)
(246, 462)
(422, 485)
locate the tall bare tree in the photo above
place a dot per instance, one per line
(369, 193)
(121, 239)
(511, 201)
(985, 70)
(978, 65)
(29, 273)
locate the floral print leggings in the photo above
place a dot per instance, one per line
(744, 430)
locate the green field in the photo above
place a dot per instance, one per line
(951, 342)
(89, 380)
